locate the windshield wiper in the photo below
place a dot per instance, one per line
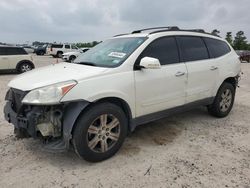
(86, 63)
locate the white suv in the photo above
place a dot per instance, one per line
(57, 50)
(71, 56)
(15, 58)
(128, 80)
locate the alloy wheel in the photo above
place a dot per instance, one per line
(103, 133)
(226, 100)
(25, 67)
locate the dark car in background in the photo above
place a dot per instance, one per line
(244, 56)
(41, 50)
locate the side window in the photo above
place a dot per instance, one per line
(15, 51)
(165, 49)
(67, 46)
(74, 47)
(56, 45)
(216, 48)
(21, 51)
(2, 51)
(192, 48)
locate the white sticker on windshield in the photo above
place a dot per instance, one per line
(117, 54)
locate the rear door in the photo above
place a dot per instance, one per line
(164, 88)
(15, 55)
(218, 50)
(202, 71)
(4, 59)
(67, 48)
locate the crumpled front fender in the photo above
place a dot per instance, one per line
(71, 113)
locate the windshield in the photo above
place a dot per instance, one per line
(110, 53)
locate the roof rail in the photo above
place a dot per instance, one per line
(165, 29)
(121, 34)
(188, 30)
(170, 28)
(196, 30)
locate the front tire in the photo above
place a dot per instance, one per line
(100, 132)
(21, 133)
(72, 58)
(223, 101)
(24, 67)
(59, 54)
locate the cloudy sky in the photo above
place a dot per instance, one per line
(88, 20)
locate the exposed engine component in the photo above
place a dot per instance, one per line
(50, 122)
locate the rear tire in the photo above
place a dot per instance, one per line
(223, 101)
(59, 54)
(100, 132)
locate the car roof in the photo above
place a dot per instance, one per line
(7, 46)
(168, 31)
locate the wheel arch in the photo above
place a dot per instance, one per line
(122, 104)
(232, 80)
(72, 56)
(81, 107)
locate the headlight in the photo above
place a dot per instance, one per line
(51, 94)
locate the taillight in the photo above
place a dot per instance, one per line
(31, 58)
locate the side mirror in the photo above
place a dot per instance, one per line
(150, 63)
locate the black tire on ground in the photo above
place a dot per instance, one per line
(40, 53)
(95, 141)
(223, 101)
(72, 58)
(59, 54)
(21, 133)
(24, 67)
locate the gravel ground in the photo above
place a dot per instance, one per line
(191, 149)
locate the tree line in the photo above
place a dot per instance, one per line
(79, 44)
(238, 42)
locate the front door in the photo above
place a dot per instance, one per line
(164, 88)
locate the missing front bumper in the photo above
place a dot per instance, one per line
(62, 117)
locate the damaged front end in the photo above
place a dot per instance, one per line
(52, 123)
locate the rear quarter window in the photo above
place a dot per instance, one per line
(216, 48)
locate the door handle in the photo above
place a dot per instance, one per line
(179, 73)
(4, 58)
(213, 68)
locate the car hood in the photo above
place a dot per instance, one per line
(54, 74)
